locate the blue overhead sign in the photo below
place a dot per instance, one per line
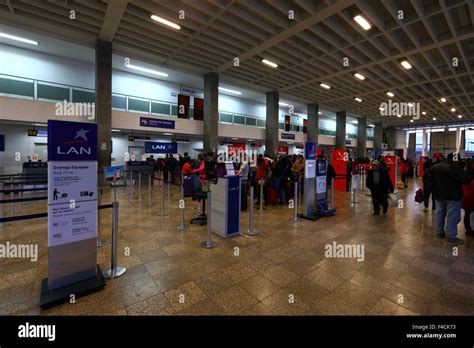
(289, 136)
(72, 141)
(152, 147)
(157, 123)
(310, 150)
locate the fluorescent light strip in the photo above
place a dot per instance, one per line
(358, 99)
(434, 118)
(115, 130)
(269, 63)
(283, 104)
(150, 71)
(17, 38)
(325, 86)
(406, 64)
(165, 22)
(453, 109)
(459, 116)
(364, 23)
(442, 100)
(390, 94)
(229, 90)
(423, 112)
(359, 76)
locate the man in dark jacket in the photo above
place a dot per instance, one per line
(380, 185)
(448, 181)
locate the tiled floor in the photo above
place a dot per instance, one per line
(283, 270)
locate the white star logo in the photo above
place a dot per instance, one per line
(81, 134)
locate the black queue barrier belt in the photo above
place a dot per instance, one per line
(25, 189)
(8, 183)
(42, 215)
(4, 201)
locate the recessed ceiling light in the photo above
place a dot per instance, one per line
(399, 115)
(406, 64)
(381, 108)
(359, 76)
(115, 130)
(150, 71)
(325, 86)
(234, 138)
(354, 121)
(371, 125)
(283, 104)
(269, 63)
(17, 38)
(423, 112)
(165, 22)
(459, 116)
(434, 118)
(442, 100)
(453, 109)
(410, 104)
(319, 113)
(364, 23)
(168, 134)
(390, 94)
(229, 90)
(412, 121)
(358, 99)
(40, 124)
(249, 139)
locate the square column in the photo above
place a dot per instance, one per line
(211, 115)
(362, 137)
(103, 100)
(378, 131)
(341, 130)
(313, 125)
(271, 123)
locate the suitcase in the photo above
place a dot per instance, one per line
(188, 186)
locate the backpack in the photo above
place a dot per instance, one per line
(419, 196)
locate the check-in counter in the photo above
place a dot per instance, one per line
(225, 206)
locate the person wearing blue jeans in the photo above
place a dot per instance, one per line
(448, 180)
(448, 216)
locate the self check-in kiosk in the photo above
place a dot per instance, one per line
(225, 203)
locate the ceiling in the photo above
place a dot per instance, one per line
(308, 49)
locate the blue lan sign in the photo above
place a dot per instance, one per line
(151, 147)
(72, 141)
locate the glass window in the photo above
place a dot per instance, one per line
(79, 96)
(225, 117)
(53, 92)
(250, 121)
(160, 108)
(138, 105)
(239, 119)
(119, 102)
(16, 87)
(261, 123)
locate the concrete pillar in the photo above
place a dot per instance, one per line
(424, 142)
(340, 130)
(211, 116)
(362, 137)
(271, 130)
(313, 127)
(378, 129)
(390, 139)
(103, 100)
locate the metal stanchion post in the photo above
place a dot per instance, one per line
(300, 177)
(208, 244)
(12, 208)
(251, 231)
(295, 207)
(149, 190)
(1, 204)
(132, 185)
(182, 225)
(163, 213)
(332, 193)
(139, 186)
(100, 241)
(114, 271)
(261, 195)
(169, 185)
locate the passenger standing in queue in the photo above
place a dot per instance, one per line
(262, 174)
(379, 183)
(448, 181)
(243, 172)
(468, 200)
(428, 185)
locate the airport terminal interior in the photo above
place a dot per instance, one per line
(223, 157)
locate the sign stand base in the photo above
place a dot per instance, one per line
(51, 298)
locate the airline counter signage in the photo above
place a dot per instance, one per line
(154, 147)
(287, 136)
(72, 141)
(156, 123)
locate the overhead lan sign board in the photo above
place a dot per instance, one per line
(288, 136)
(153, 147)
(156, 123)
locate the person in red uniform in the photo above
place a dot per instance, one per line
(404, 168)
(262, 174)
(468, 199)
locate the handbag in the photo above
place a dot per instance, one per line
(419, 197)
